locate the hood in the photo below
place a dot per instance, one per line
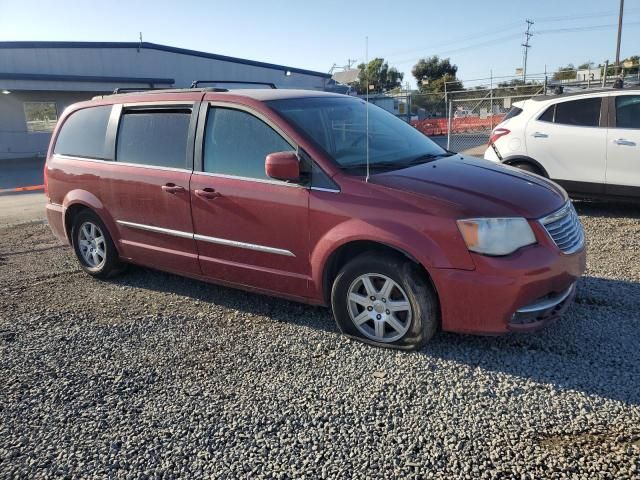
(478, 188)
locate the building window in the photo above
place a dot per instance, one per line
(40, 116)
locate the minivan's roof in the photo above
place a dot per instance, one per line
(266, 94)
(260, 94)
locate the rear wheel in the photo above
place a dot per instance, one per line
(94, 247)
(385, 301)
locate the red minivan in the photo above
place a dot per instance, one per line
(315, 197)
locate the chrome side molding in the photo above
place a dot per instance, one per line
(205, 238)
(151, 228)
(247, 246)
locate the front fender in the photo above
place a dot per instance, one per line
(417, 244)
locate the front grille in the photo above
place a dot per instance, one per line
(564, 227)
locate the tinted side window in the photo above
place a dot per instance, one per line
(154, 137)
(585, 113)
(628, 111)
(83, 134)
(547, 116)
(236, 143)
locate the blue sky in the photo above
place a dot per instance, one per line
(478, 36)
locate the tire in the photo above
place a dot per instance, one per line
(528, 167)
(89, 234)
(375, 322)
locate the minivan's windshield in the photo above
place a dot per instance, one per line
(338, 125)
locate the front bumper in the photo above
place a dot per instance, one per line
(542, 311)
(496, 297)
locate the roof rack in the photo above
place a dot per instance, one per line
(135, 89)
(195, 83)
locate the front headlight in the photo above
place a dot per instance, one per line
(496, 236)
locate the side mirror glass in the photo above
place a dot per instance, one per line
(282, 166)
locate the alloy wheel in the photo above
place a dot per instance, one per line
(379, 307)
(92, 245)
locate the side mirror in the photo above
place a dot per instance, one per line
(282, 166)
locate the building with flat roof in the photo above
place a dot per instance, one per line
(38, 80)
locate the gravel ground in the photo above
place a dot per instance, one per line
(154, 376)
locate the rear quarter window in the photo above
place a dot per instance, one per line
(547, 116)
(84, 133)
(514, 112)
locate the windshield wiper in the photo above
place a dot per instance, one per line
(398, 165)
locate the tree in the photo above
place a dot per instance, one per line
(565, 73)
(438, 85)
(430, 74)
(634, 60)
(379, 75)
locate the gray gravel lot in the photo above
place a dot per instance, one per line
(153, 376)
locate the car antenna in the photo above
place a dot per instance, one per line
(366, 105)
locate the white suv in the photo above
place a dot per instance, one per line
(587, 142)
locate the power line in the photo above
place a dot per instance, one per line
(474, 36)
(584, 29)
(460, 49)
(503, 29)
(563, 18)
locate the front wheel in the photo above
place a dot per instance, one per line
(385, 301)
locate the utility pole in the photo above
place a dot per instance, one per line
(619, 36)
(350, 61)
(526, 47)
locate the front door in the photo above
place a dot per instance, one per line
(623, 147)
(147, 191)
(569, 140)
(250, 230)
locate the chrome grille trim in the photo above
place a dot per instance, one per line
(565, 229)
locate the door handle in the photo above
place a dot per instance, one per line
(622, 141)
(209, 193)
(539, 135)
(172, 188)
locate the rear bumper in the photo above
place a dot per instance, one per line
(521, 292)
(55, 218)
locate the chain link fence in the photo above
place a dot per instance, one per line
(462, 121)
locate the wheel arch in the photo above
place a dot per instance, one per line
(78, 201)
(525, 159)
(346, 251)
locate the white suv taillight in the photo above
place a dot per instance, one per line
(497, 133)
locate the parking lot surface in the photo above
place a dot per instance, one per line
(154, 376)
